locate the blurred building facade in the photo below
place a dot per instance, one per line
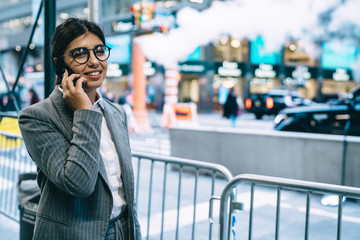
(222, 64)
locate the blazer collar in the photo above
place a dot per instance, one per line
(65, 112)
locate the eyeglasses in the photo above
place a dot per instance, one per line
(82, 55)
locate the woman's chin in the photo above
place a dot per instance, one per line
(91, 84)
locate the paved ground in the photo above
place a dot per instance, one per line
(9, 229)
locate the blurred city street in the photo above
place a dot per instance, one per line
(323, 218)
(285, 73)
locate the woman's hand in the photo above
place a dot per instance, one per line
(75, 96)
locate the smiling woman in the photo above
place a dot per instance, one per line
(80, 144)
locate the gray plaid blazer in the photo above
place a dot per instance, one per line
(75, 201)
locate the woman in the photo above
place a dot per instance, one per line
(231, 107)
(34, 98)
(80, 144)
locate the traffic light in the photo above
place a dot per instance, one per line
(143, 11)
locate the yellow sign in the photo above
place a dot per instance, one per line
(10, 125)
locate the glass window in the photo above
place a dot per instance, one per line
(167, 3)
(259, 54)
(115, 7)
(80, 12)
(4, 3)
(15, 25)
(338, 55)
(231, 49)
(296, 53)
(120, 48)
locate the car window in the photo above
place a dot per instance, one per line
(357, 107)
(357, 99)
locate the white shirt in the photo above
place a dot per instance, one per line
(112, 164)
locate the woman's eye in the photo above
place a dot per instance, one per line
(79, 53)
(100, 51)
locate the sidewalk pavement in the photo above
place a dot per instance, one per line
(208, 119)
(9, 229)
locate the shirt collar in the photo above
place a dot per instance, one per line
(99, 104)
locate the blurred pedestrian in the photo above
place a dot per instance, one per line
(231, 107)
(80, 144)
(288, 99)
(34, 98)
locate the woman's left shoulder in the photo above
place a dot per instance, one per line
(115, 107)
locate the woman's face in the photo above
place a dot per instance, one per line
(93, 70)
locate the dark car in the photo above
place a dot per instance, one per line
(340, 117)
(272, 102)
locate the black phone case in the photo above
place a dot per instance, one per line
(70, 71)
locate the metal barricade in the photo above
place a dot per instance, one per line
(14, 160)
(235, 213)
(174, 196)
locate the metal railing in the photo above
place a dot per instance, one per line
(187, 188)
(174, 196)
(229, 206)
(14, 160)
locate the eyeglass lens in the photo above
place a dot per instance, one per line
(81, 55)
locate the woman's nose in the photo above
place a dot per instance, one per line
(92, 58)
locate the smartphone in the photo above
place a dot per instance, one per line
(70, 71)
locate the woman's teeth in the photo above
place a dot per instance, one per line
(93, 73)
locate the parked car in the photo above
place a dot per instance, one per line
(340, 117)
(272, 102)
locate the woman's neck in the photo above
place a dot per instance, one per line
(93, 96)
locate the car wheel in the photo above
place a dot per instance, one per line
(258, 115)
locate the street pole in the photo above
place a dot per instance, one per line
(49, 27)
(93, 6)
(139, 88)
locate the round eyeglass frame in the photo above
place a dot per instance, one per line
(71, 53)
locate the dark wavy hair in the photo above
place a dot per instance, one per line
(64, 34)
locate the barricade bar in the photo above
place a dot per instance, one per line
(178, 195)
(281, 184)
(14, 160)
(223, 171)
(297, 184)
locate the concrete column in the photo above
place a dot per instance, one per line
(171, 83)
(171, 95)
(139, 89)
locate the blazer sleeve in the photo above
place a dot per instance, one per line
(73, 165)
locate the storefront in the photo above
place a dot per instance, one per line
(227, 75)
(302, 78)
(336, 82)
(154, 85)
(337, 61)
(118, 82)
(265, 77)
(193, 83)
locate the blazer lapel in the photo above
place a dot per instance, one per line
(65, 112)
(117, 127)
